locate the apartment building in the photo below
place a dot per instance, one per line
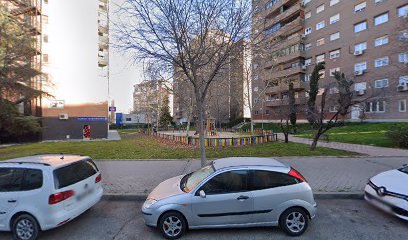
(225, 96)
(366, 40)
(28, 14)
(147, 97)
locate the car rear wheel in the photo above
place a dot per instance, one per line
(25, 227)
(172, 225)
(294, 221)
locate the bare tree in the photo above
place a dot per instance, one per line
(195, 36)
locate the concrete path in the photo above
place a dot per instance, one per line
(325, 175)
(362, 149)
(113, 135)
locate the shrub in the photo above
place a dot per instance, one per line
(399, 136)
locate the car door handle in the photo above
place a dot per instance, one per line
(242, 197)
(12, 201)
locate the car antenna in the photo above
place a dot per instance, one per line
(62, 156)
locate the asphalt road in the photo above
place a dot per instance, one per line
(337, 219)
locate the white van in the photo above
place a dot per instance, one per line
(42, 192)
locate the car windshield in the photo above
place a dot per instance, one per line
(191, 180)
(404, 169)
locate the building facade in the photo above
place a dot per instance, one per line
(147, 97)
(365, 40)
(225, 97)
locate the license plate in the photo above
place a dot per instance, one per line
(84, 194)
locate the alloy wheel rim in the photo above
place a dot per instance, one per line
(172, 226)
(295, 222)
(25, 229)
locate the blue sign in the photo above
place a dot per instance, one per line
(92, 119)
(112, 109)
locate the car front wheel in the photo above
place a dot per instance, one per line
(25, 227)
(294, 221)
(172, 225)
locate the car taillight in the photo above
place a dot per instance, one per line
(59, 197)
(98, 178)
(296, 175)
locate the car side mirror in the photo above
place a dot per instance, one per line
(202, 194)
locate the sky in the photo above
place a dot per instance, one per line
(73, 56)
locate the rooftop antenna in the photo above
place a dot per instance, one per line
(62, 156)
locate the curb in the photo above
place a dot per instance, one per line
(317, 195)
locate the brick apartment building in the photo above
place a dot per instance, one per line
(225, 97)
(366, 40)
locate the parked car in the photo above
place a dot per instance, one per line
(42, 192)
(232, 192)
(389, 192)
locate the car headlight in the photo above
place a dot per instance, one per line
(149, 202)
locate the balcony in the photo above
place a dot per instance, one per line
(32, 7)
(103, 29)
(103, 59)
(103, 42)
(293, 10)
(287, 72)
(279, 44)
(283, 87)
(283, 59)
(291, 27)
(277, 6)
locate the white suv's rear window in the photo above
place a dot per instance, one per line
(74, 173)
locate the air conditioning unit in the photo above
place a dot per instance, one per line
(361, 92)
(63, 116)
(359, 73)
(358, 52)
(402, 87)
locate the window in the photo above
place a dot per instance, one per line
(308, 15)
(381, 41)
(45, 37)
(360, 7)
(273, 29)
(333, 70)
(321, 91)
(383, 18)
(227, 182)
(271, 3)
(382, 83)
(376, 106)
(320, 8)
(403, 11)
(266, 111)
(308, 62)
(45, 58)
(334, 54)
(74, 173)
(403, 79)
(334, 2)
(403, 35)
(334, 108)
(380, 62)
(333, 90)
(11, 179)
(360, 47)
(360, 66)
(320, 25)
(44, 19)
(334, 36)
(335, 18)
(308, 46)
(306, 1)
(33, 179)
(378, 1)
(262, 179)
(320, 58)
(360, 86)
(360, 27)
(403, 57)
(308, 31)
(256, 112)
(402, 105)
(255, 89)
(320, 42)
(306, 78)
(322, 73)
(128, 119)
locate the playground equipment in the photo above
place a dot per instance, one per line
(209, 127)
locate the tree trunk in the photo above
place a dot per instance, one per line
(286, 137)
(315, 140)
(201, 130)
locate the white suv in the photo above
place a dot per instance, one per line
(42, 192)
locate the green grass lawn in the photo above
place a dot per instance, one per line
(138, 146)
(359, 133)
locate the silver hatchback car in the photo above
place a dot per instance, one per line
(232, 192)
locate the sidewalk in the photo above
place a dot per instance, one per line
(325, 175)
(362, 149)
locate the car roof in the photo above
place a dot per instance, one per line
(53, 160)
(247, 161)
